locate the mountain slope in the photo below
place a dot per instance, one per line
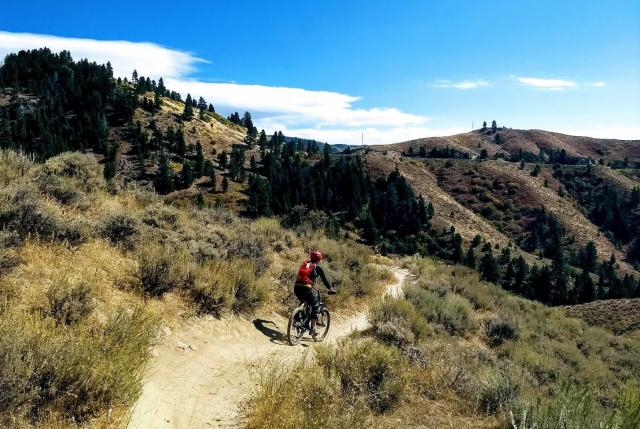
(510, 141)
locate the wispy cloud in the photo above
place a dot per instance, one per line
(598, 84)
(546, 84)
(149, 59)
(463, 84)
(327, 115)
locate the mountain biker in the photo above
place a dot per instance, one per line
(305, 290)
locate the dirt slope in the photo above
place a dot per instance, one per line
(201, 374)
(512, 141)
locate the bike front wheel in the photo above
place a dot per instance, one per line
(323, 319)
(296, 329)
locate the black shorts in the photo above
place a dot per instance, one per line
(308, 295)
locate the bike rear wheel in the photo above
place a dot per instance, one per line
(295, 328)
(323, 330)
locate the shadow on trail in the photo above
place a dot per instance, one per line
(270, 330)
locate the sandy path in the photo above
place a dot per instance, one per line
(201, 375)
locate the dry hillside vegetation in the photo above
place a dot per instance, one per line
(619, 315)
(533, 141)
(457, 352)
(89, 272)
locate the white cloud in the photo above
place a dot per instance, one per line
(149, 59)
(547, 84)
(599, 84)
(295, 105)
(330, 114)
(463, 84)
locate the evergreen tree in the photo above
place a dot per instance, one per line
(259, 198)
(494, 126)
(470, 259)
(225, 184)
(200, 164)
(489, 270)
(188, 108)
(187, 174)
(223, 159)
(164, 181)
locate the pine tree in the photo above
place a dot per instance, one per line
(489, 270)
(164, 181)
(484, 125)
(181, 145)
(162, 90)
(470, 259)
(225, 184)
(188, 108)
(223, 159)
(200, 164)
(494, 126)
(211, 109)
(187, 174)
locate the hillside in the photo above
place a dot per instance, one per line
(619, 315)
(512, 142)
(134, 221)
(456, 352)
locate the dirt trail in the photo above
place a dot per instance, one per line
(201, 375)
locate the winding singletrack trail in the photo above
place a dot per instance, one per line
(200, 376)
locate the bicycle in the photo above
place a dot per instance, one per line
(299, 322)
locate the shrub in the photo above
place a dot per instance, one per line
(69, 303)
(162, 268)
(80, 166)
(161, 216)
(23, 212)
(396, 321)
(493, 390)
(499, 330)
(231, 286)
(120, 228)
(451, 311)
(8, 260)
(288, 395)
(367, 371)
(76, 372)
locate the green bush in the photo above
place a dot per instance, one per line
(499, 330)
(396, 321)
(367, 371)
(162, 268)
(22, 211)
(160, 215)
(120, 228)
(8, 260)
(70, 303)
(77, 372)
(452, 311)
(493, 390)
(227, 286)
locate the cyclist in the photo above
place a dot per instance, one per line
(305, 290)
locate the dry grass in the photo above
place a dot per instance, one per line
(88, 273)
(619, 315)
(501, 362)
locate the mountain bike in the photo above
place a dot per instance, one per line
(299, 323)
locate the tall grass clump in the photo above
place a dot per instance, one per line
(368, 371)
(396, 321)
(162, 268)
(69, 302)
(227, 286)
(75, 373)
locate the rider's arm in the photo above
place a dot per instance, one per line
(323, 277)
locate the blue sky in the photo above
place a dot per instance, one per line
(393, 70)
